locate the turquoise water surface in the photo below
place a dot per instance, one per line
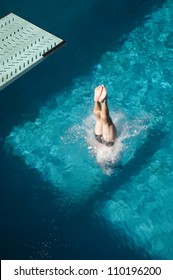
(129, 188)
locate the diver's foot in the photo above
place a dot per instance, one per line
(97, 93)
(103, 96)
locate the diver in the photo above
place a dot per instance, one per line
(105, 130)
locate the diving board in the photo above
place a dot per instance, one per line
(22, 46)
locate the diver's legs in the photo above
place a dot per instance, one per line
(109, 129)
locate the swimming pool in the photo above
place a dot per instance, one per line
(62, 198)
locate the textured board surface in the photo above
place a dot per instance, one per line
(22, 46)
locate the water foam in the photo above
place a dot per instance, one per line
(109, 158)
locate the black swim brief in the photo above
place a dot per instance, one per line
(100, 139)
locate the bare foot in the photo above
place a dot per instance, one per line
(103, 95)
(97, 93)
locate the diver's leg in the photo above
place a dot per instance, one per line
(97, 110)
(104, 111)
(104, 114)
(99, 122)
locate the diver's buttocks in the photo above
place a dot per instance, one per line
(105, 130)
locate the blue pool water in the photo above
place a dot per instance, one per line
(62, 195)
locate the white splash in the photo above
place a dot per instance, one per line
(107, 157)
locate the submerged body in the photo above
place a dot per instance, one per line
(105, 130)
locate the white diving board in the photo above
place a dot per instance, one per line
(22, 46)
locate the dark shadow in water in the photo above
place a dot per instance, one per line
(26, 212)
(29, 213)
